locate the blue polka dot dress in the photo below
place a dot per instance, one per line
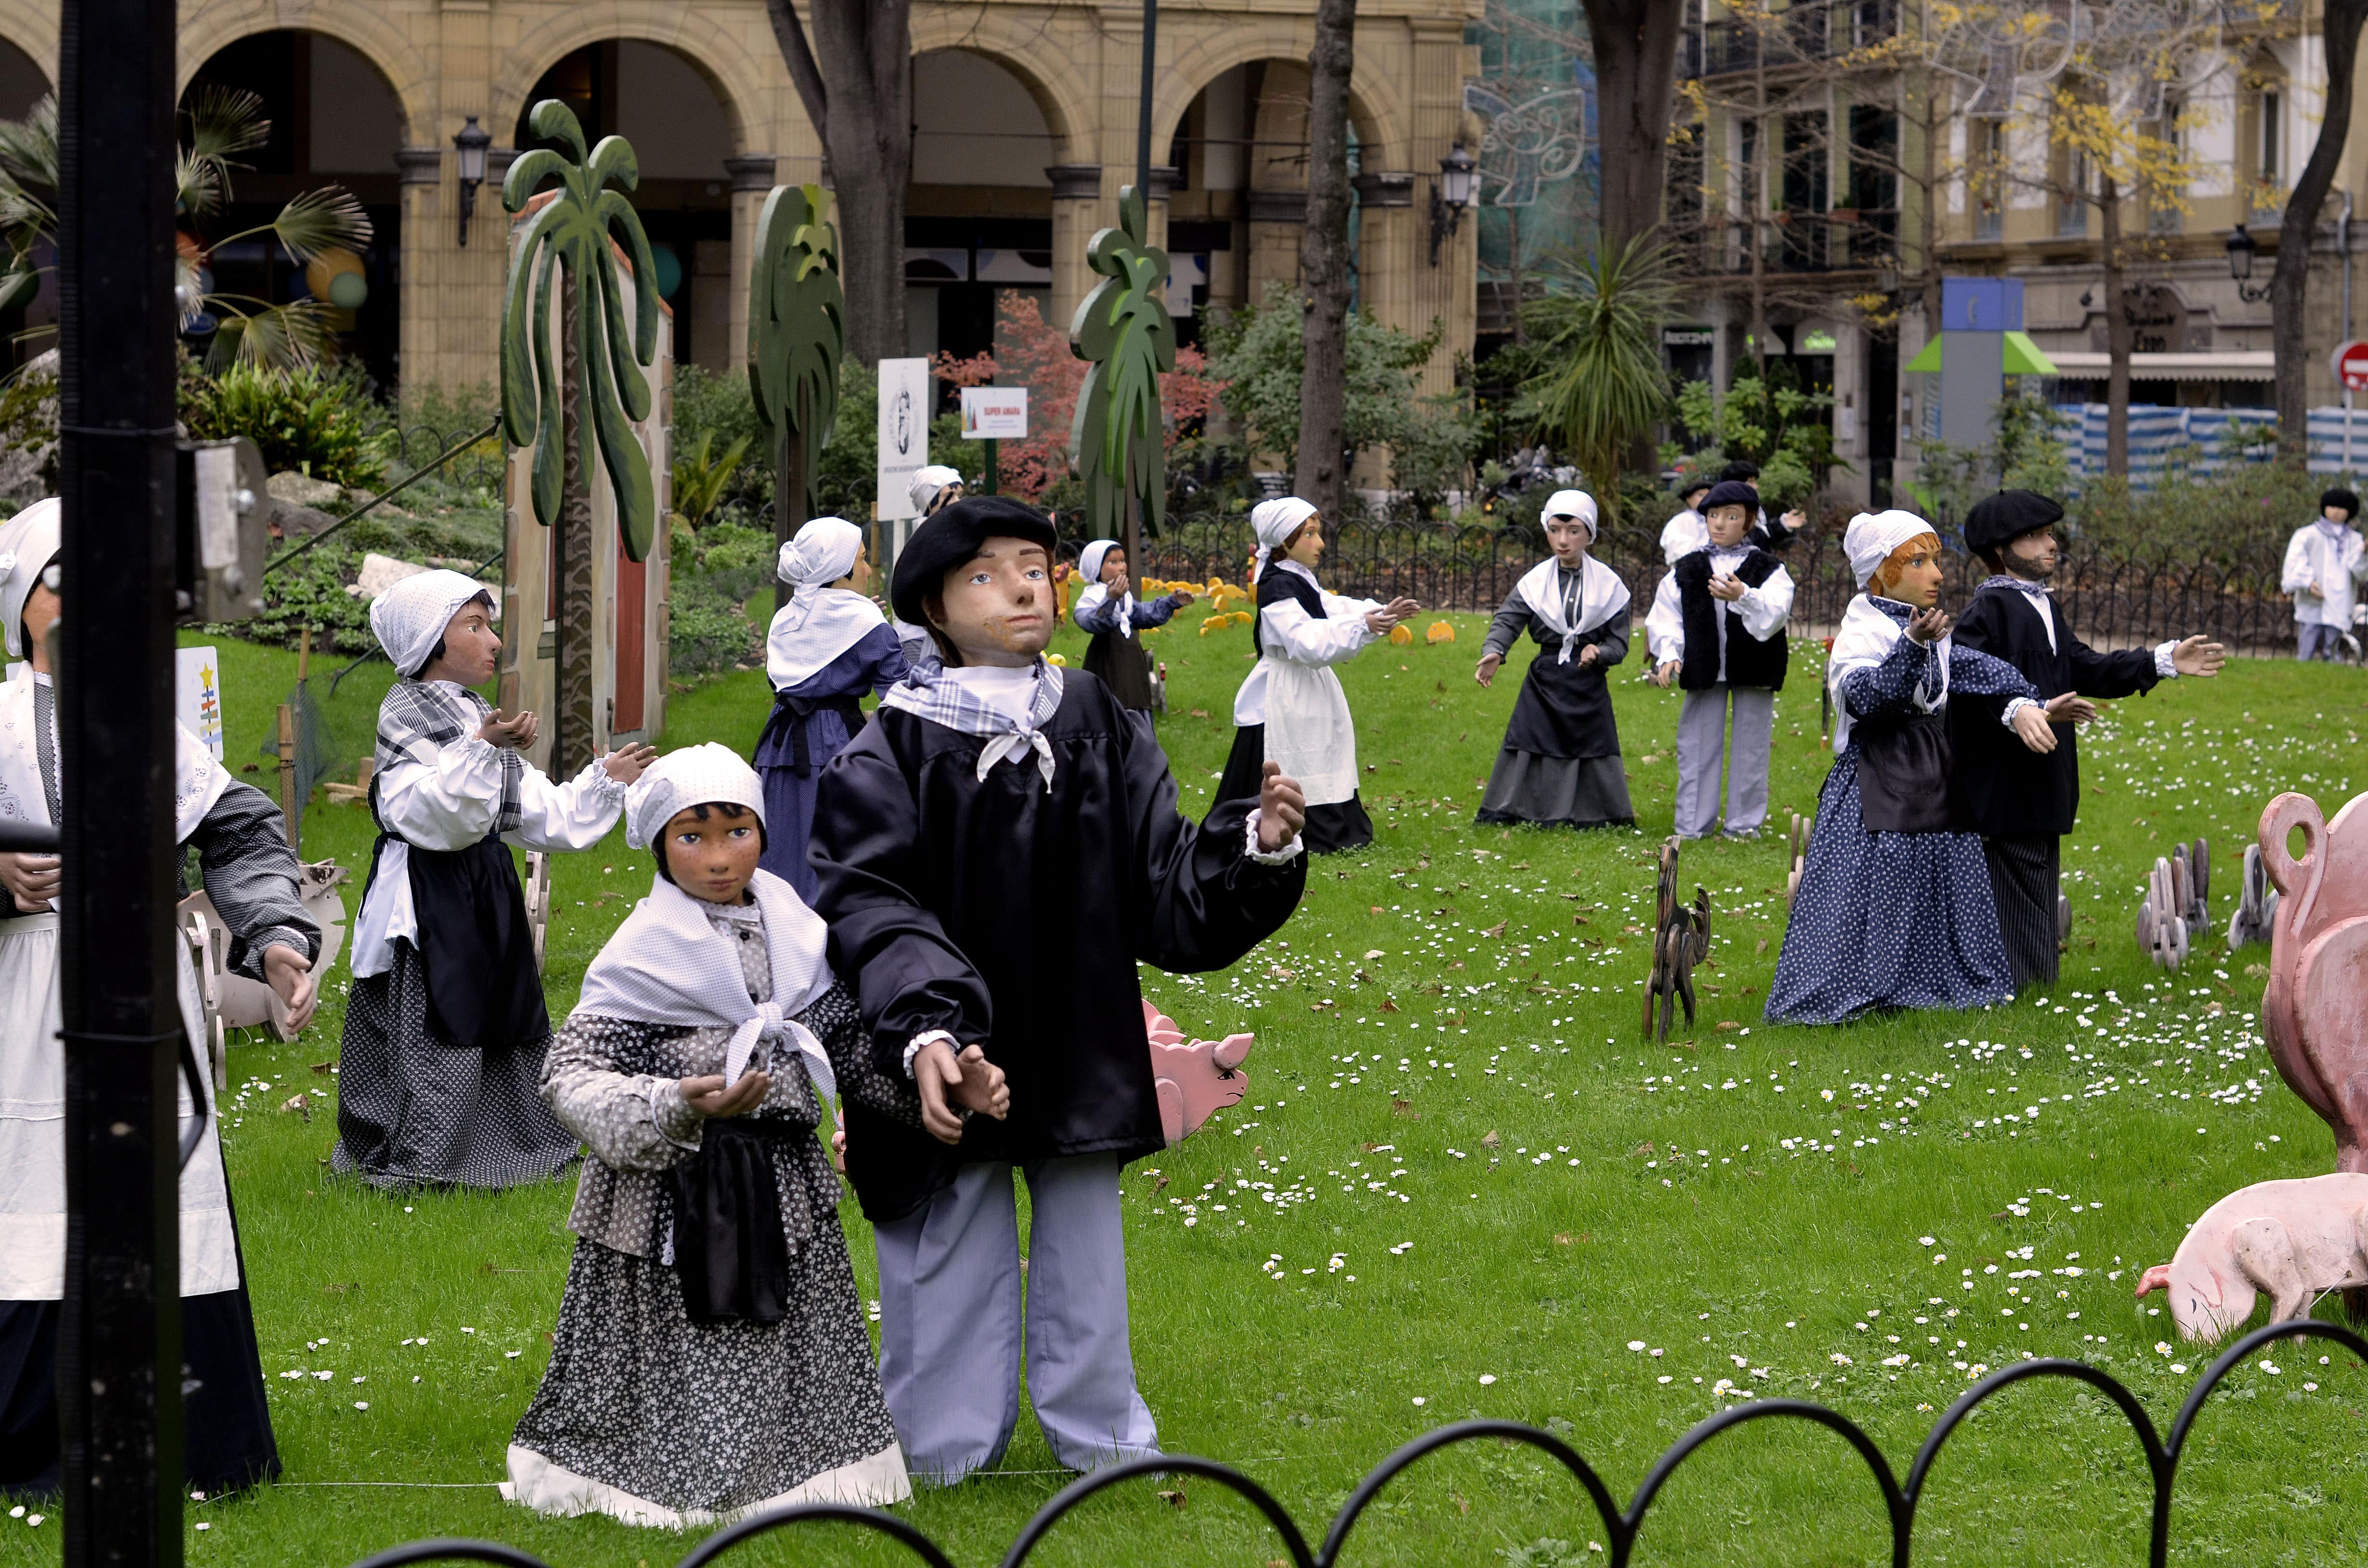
(1893, 919)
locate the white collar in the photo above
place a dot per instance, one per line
(1295, 568)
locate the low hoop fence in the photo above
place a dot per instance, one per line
(1622, 1525)
(478, 462)
(2110, 602)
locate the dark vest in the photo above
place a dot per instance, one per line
(1749, 660)
(1274, 585)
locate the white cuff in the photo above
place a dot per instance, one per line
(2014, 705)
(1282, 857)
(2164, 667)
(913, 1047)
(605, 785)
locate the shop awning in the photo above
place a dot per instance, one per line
(2227, 364)
(2022, 356)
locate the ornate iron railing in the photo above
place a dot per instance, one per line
(2110, 603)
(1622, 1525)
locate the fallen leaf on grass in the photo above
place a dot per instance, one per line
(1405, 1108)
(323, 1067)
(299, 1104)
(1374, 909)
(1642, 1149)
(1729, 1024)
(1763, 944)
(1388, 1006)
(1489, 1140)
(1496, 930)
(1372, 953)
(1174, 1497)
(1200, 712)
(1562, 1238)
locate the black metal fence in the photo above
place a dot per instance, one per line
(1622, 1525)
(478, 463)
(2110, 603)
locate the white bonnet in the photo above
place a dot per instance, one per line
(928, 480)
(1873, 536)
(28, 542)
(823, 552)
(692, 776)
(1574, 503)
(409, 618)
(1090, 558)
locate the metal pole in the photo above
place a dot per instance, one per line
(1130, 535)
(120, 1327)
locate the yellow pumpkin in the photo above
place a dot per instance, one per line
(1441, 632)
(1402, 634)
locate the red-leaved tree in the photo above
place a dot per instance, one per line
(1037, 356)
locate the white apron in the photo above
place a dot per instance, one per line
(1309, 732)
(32, 1058)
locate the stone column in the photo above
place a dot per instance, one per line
(1076, 208)
(1278, 223)
(753, 176)
(419, 344)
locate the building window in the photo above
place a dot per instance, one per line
(2072, 197)
(2271, 171)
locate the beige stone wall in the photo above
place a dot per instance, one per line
(448, 59)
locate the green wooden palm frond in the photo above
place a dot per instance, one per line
(1116, 443)
(568, 243)
(797, 325)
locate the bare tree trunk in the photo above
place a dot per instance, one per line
(2290, 282)
(861, 106)
(572, 734)
(2118, 332)
(1635, 48)
(1323, 261)
(1928, 220)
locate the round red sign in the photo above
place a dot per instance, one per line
(2350, 363)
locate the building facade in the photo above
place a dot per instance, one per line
(1025, 117)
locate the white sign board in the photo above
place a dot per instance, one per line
(197, 691)
(903, 433)
(994, 414)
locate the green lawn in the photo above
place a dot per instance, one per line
(1462, 1185)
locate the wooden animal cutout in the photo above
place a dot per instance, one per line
(1680, 940)
(2292, 1239)
(1195, 1079)
(2257, 902)
(2176, 908)
(2314, 1010)
(538, 899)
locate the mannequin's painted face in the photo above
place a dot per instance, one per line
(1306, 546)
(996, 607)
(1912, 575)
(1729, 524)
(1114, 568)
(1568, 536)
(2032, 555)
(711, 850)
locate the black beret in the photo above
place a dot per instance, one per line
(2339, 496)
(1741, 468)
(1693, 482)
(1731, 492)
(949, 537)
(2008, 515)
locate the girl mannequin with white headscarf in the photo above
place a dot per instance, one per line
(251, 875)
(1106, 612)
(711, 1357)
(445, 1025)
(1894, 910)
(828, 646)
(1560, 764)
(1291, 709)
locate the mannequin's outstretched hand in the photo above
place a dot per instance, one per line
(1283, 808)
(1487, 673)
(946, 1080)
(710, 1097)
(2195, 656)
(2031, 727)
(510, 733)
(2070, 708)
(1928, 626)
(625, 764)
(290, 974)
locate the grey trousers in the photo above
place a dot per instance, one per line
(950, 1336)
(2313, 640)
(1702, 746)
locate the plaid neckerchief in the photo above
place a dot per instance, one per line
(2021, 585)
(441, 714)
(928, 693)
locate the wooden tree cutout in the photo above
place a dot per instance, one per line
(797, 335)
(1117, 444)
(572, 235)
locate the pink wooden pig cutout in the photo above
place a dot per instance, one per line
(2292, 1239)
(1196, 1080)
(2315, 1012)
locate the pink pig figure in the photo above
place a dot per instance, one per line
(2292, 1239)
(1196, 1080)
(2315, 1011)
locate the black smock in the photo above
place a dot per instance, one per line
(2002, 787)
(1013, 917)
(1564, 710)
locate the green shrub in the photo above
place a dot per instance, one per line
(316, 422)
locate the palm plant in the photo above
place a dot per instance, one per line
(220, 123)
(1124, 331)
(797, 334)
(1596, 334)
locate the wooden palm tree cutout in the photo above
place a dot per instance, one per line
(1117, 441)
(568, 244)
(797, 335)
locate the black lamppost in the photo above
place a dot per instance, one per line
(472, 141)
(2241, 247)
(1457, 185)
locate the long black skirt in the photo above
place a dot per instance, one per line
(229, 1445)
(1341, 824)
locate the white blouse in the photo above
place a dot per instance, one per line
(1289, 634)
(447, 800)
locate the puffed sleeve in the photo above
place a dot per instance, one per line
(250, 873)
(574, 815)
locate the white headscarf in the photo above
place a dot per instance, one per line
(928, 480)
(1090, 558)
(820, 623)
(1275, 521)
(409, 618)
(1096, 592)
(28, 542)
(688, 776)
(1873, 536)
(1601, 595)
(1574, 503)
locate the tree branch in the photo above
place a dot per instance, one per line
(798, 55)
